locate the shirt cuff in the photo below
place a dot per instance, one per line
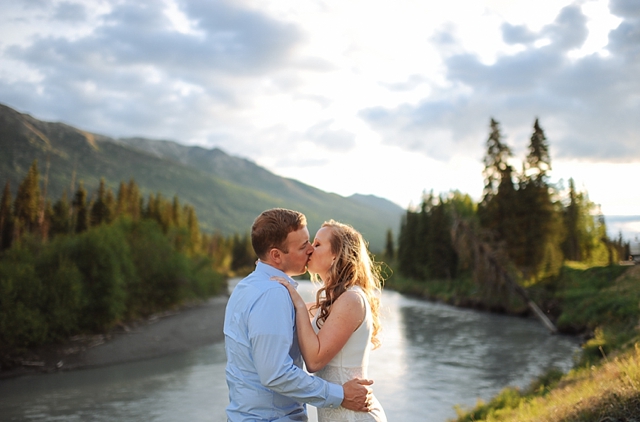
(336, 395)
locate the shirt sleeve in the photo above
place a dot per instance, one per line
(271, 335)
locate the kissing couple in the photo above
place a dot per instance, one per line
(270, 331)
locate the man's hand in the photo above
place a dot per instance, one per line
(357, 395)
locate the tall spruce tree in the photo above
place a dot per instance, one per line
(572, 222)
(110, 202)
(28, 202)
(541, 218)
(100, 212)
(538, 162)
(60, 219)
(496, 161)
(80, 209)
(498, 211)
(121, 200)
(133, 201)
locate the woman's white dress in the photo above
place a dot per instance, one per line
(351, 362)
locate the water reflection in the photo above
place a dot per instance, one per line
(187, 386)
(433, 356)
(457, 356)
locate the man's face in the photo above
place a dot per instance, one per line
(295, 261)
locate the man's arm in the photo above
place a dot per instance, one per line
(271, 335)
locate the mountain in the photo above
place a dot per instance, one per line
(227, 192)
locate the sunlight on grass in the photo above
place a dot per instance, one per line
(609, 392)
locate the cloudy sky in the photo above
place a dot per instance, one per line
(384, 97)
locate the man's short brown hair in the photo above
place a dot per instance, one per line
(271, 228)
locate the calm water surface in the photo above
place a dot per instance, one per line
(433, 357)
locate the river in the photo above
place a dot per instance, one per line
(433, 357)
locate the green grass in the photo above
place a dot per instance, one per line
(607, 392)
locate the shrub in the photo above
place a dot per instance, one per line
(161, 271)
(89, 282)
(22, 323)
(62, 286)
(103, 257)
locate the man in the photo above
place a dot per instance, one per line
(264, 364)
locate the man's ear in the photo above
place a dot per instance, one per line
(275, 255)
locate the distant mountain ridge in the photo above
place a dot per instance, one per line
(227, 192)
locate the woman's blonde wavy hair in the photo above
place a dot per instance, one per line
(353, 266)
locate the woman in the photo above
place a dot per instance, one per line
(337, 332)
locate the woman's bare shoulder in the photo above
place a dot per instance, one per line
(350, 298)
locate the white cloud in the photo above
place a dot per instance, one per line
(587, 105)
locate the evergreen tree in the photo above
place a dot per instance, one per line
(499, 209)
(586, 237)
(425, 249)
(538, 162)
(133, 201)
(100, 212)
(193, 228)
(242, 255)
(496, 163)
(424, 252)
(389, 252)
(408, 242)
(442, 258)
(110, 202)
(150, 210)
(6, 218)
(60, 218)
(121, 200)
(572, 221)
(164, 213)
(541, 227)
(27, 203)
(218, 248)
(80, 209)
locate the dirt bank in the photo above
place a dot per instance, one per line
(185, 329)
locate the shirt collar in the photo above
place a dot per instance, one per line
(273, 271)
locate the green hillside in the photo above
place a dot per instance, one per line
(227, 192)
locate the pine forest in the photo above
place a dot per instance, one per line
(91, 260)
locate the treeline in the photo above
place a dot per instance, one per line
(532, 226)
(86, 263)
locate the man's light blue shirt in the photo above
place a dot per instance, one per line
(264, 364)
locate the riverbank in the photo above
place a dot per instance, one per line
(602, 304)
(191, 326)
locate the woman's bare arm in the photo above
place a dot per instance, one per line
(345, 317)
